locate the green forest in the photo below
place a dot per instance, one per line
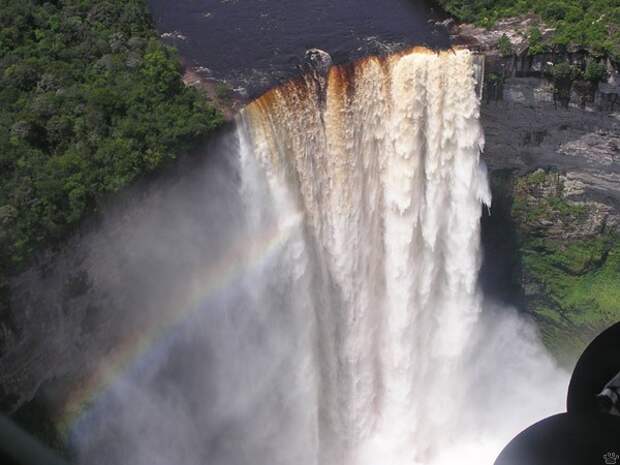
(90, 100)
(594, 24)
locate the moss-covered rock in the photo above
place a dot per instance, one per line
(570, 261)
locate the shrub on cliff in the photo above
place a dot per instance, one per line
(89, 101)
(563, 75)
(505, 46)
(535, 41)
(554, 11)
(595, 72)
(564, 72)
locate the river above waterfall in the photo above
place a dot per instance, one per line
(254, 44)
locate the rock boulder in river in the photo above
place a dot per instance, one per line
(318, 61)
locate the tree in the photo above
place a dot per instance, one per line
(90, 100)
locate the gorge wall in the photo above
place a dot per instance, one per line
(553, 156)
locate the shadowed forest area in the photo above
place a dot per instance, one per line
(90, 99)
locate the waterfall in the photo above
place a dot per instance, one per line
(308, 293)
(372, 172)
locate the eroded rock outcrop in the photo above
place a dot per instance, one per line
(554, 153)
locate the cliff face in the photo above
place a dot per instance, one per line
(526, 129)
(553, 152)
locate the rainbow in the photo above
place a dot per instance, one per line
(239, 260)
(219, 275)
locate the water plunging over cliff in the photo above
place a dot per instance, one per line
(306, 295)
(374, 176)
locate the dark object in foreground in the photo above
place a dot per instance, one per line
(566, 439)
(609, 398)
(597, 375)
(590, 432)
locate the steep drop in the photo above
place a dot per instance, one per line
(374, 169)
(306, 296)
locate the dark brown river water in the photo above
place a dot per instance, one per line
(254, 44)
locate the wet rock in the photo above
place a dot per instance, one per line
(174, 35)
(317, 60)
(526, 130)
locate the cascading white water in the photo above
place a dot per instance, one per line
(310, 296)
(373, 176)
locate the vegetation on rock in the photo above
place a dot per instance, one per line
(570, 263)
(90, 99)
(592, 23)
(535, 41)
(504, 45)
(595, 72)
